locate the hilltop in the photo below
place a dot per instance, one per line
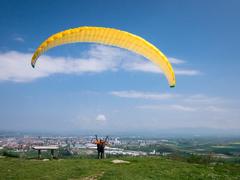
(138, 168)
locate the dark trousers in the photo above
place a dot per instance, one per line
(100, 154)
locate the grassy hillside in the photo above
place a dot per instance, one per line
(138, 168)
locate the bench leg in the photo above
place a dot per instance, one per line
(39, 154)
(52, 153)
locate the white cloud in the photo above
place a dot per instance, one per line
(141, 66)
(15, 66)
(175, 60)
(19, 39)
(146, 66)
(216, 109)
(176, 107)
(187, 72)
(143, 95)
(187, 103)
(152, 68)
(87, 121)
(201, 98)
(183, 108)
(101, 117)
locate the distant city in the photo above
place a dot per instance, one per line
(22, 145)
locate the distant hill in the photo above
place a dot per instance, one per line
(138, 168)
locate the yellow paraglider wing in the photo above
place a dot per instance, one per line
(111, 37)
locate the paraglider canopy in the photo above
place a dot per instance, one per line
(113, 37)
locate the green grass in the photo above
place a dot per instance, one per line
(139, 168)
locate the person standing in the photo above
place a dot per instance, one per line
(100, 146)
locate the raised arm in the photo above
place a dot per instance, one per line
(106, 139)
(94, 141)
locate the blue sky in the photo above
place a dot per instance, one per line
(121, 91)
